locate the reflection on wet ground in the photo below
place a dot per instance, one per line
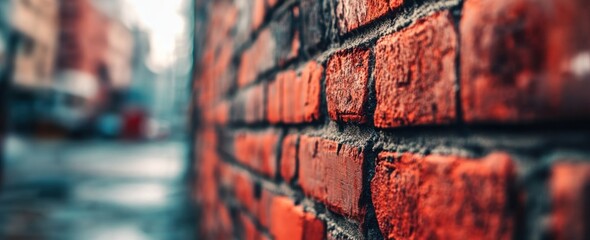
(95, 190)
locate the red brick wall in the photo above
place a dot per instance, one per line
(82, 37)
(392, 119)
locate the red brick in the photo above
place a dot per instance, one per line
(290, 96)
(274, 100)
(221, 112)
(311, 78)
(258, 58)
(570, 194)
(443, 197)
(250, 232)
(257, 151)
(347, 76)
(255, 104)
(301, 95)
(355, 13)
(295, 223)
(258, 13)
(415, 74)
(289, 158)
(249, 105)
(216, 223)
(332, 173)
(525, 60)
(207, 187)
(264, 213)
(244, 191)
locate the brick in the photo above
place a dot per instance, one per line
(258, 58)
(415, 74)
(249, 230)
(443, 197)
(216, 223)
(311, 77)
(290, 96)
(352, 14)
(570, 195)
(289, 158)
(206, 176)
(257, 151)
(312, 24)
(249, 105)
(347, 76)
(295, 223)
(300, 100)
(283, 31)
(333, 174)
(221, 112)
(244, 191)
(525, 60)
(275, 100)
(258, 13)
(264, 213)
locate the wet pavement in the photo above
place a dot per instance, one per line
(95, 190)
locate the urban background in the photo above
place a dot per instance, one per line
(95, 98)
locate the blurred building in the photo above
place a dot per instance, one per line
(95, 53)
(32, 27)
(36, 23)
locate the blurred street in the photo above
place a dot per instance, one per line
(95, 190)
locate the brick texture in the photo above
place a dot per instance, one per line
(353, 14)
(332, 173)
(301, 225)
(347, 76)
(525, 60)
(391, 119)
(442, 197)
(415, 74)
(289, 158)
(295, 98)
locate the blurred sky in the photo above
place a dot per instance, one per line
(167, 27)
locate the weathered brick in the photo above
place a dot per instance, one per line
(415, 74)
(332, 173)
(443, 197)
(311, 77)
(283, 30)
(289, 158)
(312, 24)
(257, 151)
(352, 14)
(570, 194)
(525, 60)
(295, 223)
(347, 76)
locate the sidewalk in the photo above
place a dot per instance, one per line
(95, 190)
